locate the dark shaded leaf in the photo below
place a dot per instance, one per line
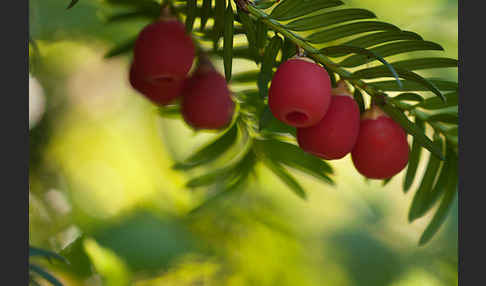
(408, 75)
(292, 156)
(391, 49)
(278, 170)
(71, 5)
(391, 85)
(268, 122)
(249, 26)
(329, 18)
(268, 63)
(240, 174)
(417, 64)
(34, 251)
(408, 96)
(264, 4)
(289, 9)
(436, 103)
(219, 18)
(452, 118)
(423, 192)
(414, 157)
(139, 14)
(245, 77)
(122, 48)
(289, 49)
(358, 97)
(368, 54)
(170, 111)
(191, 7)
(374, 39)
(44, 274)
(413, 130)
(261, 35)
(205, 12)
(210, 178)
(349, 30)
(212, 151)
(228, 42)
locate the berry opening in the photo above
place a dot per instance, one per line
(297, 117)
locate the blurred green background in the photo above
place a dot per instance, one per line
(104, 195)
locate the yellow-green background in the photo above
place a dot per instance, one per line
(100, 175)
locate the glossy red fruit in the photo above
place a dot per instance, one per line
(300, 92)
(161, 91)
(163, 49)
(335, 135)
(381, 150)
(206, 102)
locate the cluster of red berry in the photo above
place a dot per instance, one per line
(163, 56)
(328, 120)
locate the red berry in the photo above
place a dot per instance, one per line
(161, 91)
(300, 93)
(335, 135)
(163, 49)
(381, 150)
(206, 102)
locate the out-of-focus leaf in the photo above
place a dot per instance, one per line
(436, 103)
(292, 156)
(329, 18)
(228, 42)
(79, 262)
(423, 192)
(122, 48)
(448, 177)
(268, 63)
(278, 170)
(390, 50)
(443, 210)
(212, 151)
(146, 242)
(407, 85)
(358, 97)
(289, 9)
(44, 274)
(409, 96)
(416, 64)
(414, 158)
(413, 130)
(349, 30)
